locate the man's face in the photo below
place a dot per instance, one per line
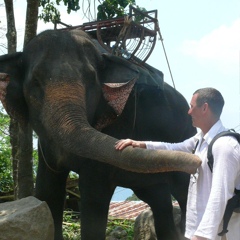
(195, 112)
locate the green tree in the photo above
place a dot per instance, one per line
(6, 178)
(50, 13)
(6, 173)
(21, 136)
(106, 8)
(133, 198)
(112, 8)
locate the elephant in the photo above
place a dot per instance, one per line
(80, 100)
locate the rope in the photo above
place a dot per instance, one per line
(121, 35)
(135, 112)
(160, 36)
(53, 170)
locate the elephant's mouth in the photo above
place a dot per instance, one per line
(116, 95)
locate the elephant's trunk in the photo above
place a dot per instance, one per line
(65, 118)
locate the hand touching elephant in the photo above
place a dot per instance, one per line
(121, 144)
(63, 85)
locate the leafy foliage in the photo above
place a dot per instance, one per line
(106, 8)
(6, 179)
(133, 198)
(6, 176)
(51, 14)
(72, 226)
(125, 224)
(112, 8)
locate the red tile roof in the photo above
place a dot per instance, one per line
(126, 209)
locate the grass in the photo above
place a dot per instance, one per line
(71, 227)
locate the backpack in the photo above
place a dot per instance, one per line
(233, 204)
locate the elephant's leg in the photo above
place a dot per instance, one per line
(95, 199)
(159, 199)
(179, 190)
(50, 187)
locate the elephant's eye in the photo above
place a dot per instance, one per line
(33, 89)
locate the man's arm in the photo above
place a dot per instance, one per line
(198, 238)
(185, 146)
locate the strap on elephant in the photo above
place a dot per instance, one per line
(233, 204)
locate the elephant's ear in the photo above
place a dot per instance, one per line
(16, 107)
(118, 70)
(118, 79)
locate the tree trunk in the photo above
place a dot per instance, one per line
(24, 187)
(13, 130)
(11, 30)
(21, 141)
(31, 20)
(21, 136)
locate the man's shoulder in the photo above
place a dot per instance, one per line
(226, 144)
(227, 135)
(224, 141)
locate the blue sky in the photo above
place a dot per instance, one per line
(202, 42)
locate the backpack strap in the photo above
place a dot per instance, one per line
(196, 144)
(230, 132)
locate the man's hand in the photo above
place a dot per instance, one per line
(121, 144)
(198, 238)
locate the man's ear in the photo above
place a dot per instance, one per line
(205, 107)
(16, 107)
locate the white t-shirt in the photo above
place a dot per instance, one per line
(209, 192)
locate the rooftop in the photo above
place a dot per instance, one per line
(128, 209)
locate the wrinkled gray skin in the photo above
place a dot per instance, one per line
(55, 84)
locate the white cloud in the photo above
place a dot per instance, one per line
(220, 47)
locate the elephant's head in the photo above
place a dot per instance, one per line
(56, 84)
